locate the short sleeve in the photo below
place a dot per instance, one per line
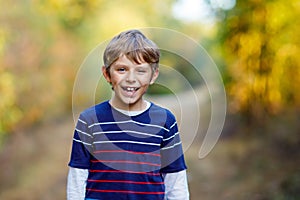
(82, 145)
(172, 157)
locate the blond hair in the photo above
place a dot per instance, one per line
(135, 46)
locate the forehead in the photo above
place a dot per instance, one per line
(123, 60)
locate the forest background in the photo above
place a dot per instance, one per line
(254, 43)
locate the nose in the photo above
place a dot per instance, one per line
(131, 77)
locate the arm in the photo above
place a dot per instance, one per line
(172, 158)
(76, 183)
(79, 161)
(176, 186)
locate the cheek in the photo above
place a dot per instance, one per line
(146, 80)
(115, 79)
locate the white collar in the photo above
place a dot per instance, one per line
(134, 113)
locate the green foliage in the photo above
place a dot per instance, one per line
(38, 62)
(43, 43)
(261, 48)
(10, 113)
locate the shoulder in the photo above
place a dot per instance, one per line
(161, 109)
(162, 112)
(90, 114)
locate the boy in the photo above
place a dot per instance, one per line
(127, 148)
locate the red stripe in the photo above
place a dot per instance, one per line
(125, 161)
(124, 191)
(122, 181)
(122, 151)
(130, 172)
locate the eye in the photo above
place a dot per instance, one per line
(141, 70)
(121, 69)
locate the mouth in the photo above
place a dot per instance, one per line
(130, 90)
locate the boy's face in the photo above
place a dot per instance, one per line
(130, 81)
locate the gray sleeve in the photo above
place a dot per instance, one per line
(176, 186)
(76, 183)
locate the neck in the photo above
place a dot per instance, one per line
(129, 107)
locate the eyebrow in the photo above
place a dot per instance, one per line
(121, 64)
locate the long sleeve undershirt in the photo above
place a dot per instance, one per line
(176, 187)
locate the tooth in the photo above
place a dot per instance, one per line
(130, 89)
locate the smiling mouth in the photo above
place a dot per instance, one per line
(130, 89)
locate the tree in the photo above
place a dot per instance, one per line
(261, 50)
(43, 43)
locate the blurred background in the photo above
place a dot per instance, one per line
(254, 43)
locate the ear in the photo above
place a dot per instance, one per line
(154, 76)
(106, 74)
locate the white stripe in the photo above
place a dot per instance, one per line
(128, 131)
(81, 142)
(129, 121)
(126, 141)
(153, 125)
(173, 125)
(83, 133)
(171, 137)
(171, 146)
(82, 121)
(105, 123)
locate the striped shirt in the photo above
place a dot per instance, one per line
(126, 155)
